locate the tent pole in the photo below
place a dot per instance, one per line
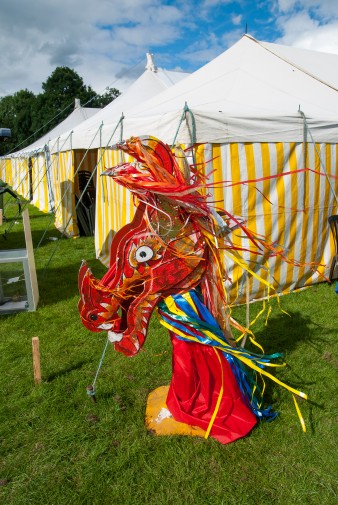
(247, 311)
(320, 159)
(305, 177)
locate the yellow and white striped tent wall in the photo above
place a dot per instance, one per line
(291, 210)
(39, 183)
(5, 169)
(18, 177)
(16, 173)
(3, 162)
(114, 204)
(62, 170)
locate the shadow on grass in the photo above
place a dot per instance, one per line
(16, 239)
(76, 366)
(57, 284)
(284, 334)
(32, 217)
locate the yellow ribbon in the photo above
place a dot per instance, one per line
(301, 419)
(219, 399)
(237, 259)
(170, 303)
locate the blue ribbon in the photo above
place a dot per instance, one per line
(194, 325)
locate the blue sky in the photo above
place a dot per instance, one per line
(106, 39)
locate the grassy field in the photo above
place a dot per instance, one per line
(58, 447)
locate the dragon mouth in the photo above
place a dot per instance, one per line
(123, 312)
(118, 327)
(127, 329)
(115, 337)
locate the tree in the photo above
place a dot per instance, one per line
(17, 113)
(30, 116)
(59, 92)
(106, 98)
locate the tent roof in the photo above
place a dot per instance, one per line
(152, 82)
(77, 116)
(323, 66)
(252, 92)
(249, 79)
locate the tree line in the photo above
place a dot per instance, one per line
(30, 116)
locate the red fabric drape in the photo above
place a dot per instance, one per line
(195, 387)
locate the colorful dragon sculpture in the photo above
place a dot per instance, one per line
(169, 257)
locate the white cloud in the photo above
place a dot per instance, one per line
(96, 38)
(213, 3)
(204, 49)
(311, 35)
(309, 24)
(322, 8)
(102, 39)
(237, 20)
(230, 37)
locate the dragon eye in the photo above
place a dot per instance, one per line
(143, 254)
(93, 317)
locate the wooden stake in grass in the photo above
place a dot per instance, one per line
(36, 360)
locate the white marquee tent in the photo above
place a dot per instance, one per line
(75, 118)
(252, 91)
(152, 82)
(257, 111)
(32, 179)
(55, 158)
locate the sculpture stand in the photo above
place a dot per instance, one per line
(159, 421)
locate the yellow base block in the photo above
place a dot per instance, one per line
(159, 420)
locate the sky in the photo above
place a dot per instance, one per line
(106, 41)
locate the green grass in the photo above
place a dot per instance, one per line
(58, 447)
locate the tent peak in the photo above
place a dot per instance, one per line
(248, 36)
(150, 63)
(77, 103)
